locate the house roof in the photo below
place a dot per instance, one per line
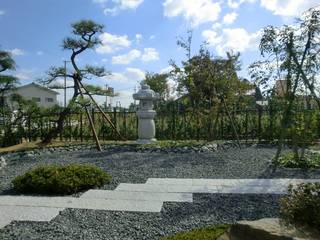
(38, 86)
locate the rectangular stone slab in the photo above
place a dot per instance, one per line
(227, 182)
(132, 195)
(167, 188)
(19, 213)
(82, 203)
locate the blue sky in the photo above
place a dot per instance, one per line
(139, 35)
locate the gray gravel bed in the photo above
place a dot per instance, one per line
(207, 209)
(130, 166)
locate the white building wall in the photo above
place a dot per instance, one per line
(32, 92)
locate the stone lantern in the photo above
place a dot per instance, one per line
(146, 114)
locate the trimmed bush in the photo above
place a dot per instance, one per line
(209, 233)
(302, 206)
(54, 179)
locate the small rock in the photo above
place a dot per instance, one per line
(3, 162)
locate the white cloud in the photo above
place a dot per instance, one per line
(119, 5)
(138, 37)
(17, 52)
(166, 70)
(236, 3)
(129, 4)
(2, 12)
(129, 76)
(216, 25)
(196, 11)
(230, 18)
(235, 39)
(25, 74)
(150, 54)
(211, 37)
(288, 8)
(112, 43)
(152, 37)
(126, 58)
(40, 53)
(124, 97)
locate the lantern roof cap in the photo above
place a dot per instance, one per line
(145, 93)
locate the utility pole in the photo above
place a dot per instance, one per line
(106, 97)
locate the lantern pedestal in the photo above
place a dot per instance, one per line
(146, 114)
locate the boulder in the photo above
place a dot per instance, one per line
(268, 229)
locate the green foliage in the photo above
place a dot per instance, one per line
(289, 160)
(159, 84)
(7, 82)
(302, 206)
(54, 179)
(209, 233)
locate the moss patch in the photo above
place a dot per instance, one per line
(209, 233)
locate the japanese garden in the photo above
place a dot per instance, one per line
(217, 138)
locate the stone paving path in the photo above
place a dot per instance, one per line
(148, 197)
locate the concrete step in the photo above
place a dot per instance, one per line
(82, 203)
(142, 196)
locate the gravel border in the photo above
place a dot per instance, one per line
(127, 165)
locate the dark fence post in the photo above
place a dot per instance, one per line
(125, 122)
(29, 128)
(246, 125)
(81, 128)
(259, 122)
(115, 117)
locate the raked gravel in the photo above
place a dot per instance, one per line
(128, 166)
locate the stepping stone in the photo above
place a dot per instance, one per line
(132, 195)
(167, 188)
(19, 213)
(227, 182)
(82, 203)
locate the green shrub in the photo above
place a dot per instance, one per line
(209, 233)
(302, 205)
(54, 179)
(311, 160)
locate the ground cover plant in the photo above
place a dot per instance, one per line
(172, 144)
(302, 206)
(54, 179)
(209, 233)
(310, 160)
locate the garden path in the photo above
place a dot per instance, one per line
(148, 197)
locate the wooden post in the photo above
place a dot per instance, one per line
(93, 116)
